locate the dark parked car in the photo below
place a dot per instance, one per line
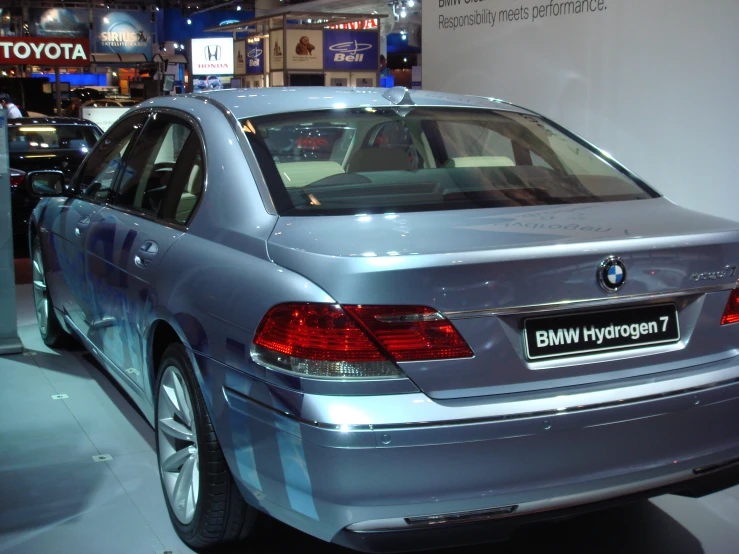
(43, 143)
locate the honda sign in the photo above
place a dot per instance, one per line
(212, 56)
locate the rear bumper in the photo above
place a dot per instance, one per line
(357, 483)
(434, 536)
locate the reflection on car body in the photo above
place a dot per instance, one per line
(474, 321)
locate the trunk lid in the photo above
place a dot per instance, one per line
(489, 270)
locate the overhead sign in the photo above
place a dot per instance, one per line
(255, 58)
(122, 32)
(304, 49)
(351, 50)
(59, 22)
(356, 25)
(212, 56)
(45, 51)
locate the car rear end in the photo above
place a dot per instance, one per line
(519, 328)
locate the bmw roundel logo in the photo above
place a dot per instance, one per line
(612, 273)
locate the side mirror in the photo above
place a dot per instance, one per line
(47, 182)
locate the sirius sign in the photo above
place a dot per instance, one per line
(123, 32)
(351, 50)
(212, 56)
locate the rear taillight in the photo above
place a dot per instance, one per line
(326, 340)
(731, 312)
(411, 333)
(16, 180)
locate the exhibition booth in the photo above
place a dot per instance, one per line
(120, 41)
(297, 49)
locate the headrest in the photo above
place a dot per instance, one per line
(480, 161)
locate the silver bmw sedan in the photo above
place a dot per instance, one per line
(392, 319)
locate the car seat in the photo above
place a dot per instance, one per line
(190, 195)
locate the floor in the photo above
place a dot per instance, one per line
(56, 496)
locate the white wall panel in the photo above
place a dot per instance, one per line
(653, 82)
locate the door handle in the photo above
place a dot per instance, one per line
(146, 253)
(82, 225)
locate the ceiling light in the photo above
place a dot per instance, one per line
(189, 21)
(411, 3)
(403, 13)
(238, 8)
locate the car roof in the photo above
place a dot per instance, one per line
(30, 121)
(265, 101)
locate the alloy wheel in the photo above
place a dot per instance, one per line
(178, 445)
(40, 293)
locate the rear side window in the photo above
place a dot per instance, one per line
(414, 159)
(164, 174)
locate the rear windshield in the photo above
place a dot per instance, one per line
(413, 159)
(30, 138)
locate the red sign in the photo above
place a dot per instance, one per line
(44, 51)
(356, 25)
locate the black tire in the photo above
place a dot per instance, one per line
(52, 332)
(221, 515)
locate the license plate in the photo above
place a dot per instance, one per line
(598, 331)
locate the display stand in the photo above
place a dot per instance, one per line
(296, 48)
(10, 343)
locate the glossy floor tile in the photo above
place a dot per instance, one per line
(54, 498)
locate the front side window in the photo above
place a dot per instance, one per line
(423, 158)
(97, 176)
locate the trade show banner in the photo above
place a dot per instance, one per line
(59, 22)
(45, 51)
(255, 56)
(351, 50)
(122, 32)
(276, 57)
(239, 57)
(304, 49)
(103, 117)
(212, 56)
(614, 71)
(9, 341)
